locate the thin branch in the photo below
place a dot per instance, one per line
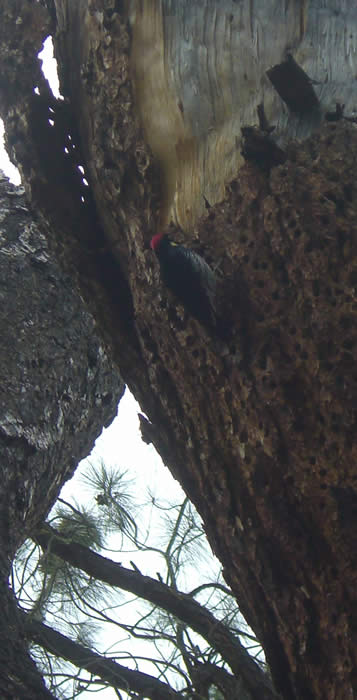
(217, 586)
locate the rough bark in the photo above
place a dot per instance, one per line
(58, 388)
(261, 434)
(57, 384)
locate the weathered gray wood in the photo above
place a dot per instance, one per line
(200, 74)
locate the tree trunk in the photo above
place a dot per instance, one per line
(259, 432)
(58, 388)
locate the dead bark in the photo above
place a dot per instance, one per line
(261, 434)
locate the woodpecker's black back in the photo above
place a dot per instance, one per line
(190, 279)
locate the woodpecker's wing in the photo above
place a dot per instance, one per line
(192, 281)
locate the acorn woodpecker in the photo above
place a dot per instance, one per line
(189, 277)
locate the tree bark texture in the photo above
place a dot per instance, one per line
(58, 388)
(260, 433)
(57, 384)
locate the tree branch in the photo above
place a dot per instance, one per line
(115, 674)
(179, 604)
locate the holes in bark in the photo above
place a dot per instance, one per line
(228, 396)
(333, 450)
(243, 437)
(348, 192)
(262, 364)
(316, 288)
(353, 278)
(309, 247)
(307, 333)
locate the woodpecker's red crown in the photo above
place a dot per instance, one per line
(156, 240)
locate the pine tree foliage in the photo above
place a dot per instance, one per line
(104, 620)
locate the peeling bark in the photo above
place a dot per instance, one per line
(260, 433)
